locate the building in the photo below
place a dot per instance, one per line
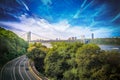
(72, 38)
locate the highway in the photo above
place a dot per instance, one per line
(17, 69)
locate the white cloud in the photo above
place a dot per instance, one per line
(76, 15)
(46, 2)
(46, 30)
(25, 5)
(61, 26)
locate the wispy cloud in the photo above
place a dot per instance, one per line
(83, 7)
(84, 2)
(116, 17)
(61, 29)
(25, 5)
(46, 2)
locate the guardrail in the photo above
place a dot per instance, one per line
(37, 75)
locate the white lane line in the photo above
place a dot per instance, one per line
(12, 76)
(26, 72)
(3, 71)
(14, 69)
(5, 66)
(32, 72)
(19, 70)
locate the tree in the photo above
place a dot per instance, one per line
(60, 61)
(76, 61)
(94, 64)
(37, 53)
(11, 46)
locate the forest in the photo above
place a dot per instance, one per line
(11, 46)
(106, 41)
(75, 61)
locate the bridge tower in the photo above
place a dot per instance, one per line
(29, 36)
(83, 38)
(92, 35)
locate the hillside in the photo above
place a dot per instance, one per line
(11, 46)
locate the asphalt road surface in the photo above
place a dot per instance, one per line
(17, 69)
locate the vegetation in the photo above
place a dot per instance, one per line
(37, 53)
(107, 41)
(76, 61)
(11, 46)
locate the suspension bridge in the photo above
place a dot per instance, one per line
(33, 37)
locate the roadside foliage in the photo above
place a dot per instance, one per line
(75, 61)
(11, 46)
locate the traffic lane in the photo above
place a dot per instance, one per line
(17, 73)
(7, 70)
(31, 75)
(17, 69)
(24, 70)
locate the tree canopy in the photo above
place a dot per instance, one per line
(11, 46)
(78, 61)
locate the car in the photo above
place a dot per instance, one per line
(22, 65)
(27, 69)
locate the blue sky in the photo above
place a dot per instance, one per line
(62, 18)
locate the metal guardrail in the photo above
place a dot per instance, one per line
(35, 72)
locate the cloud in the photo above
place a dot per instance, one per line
(45, 30)
(84, 2)
(82, 8)
(116, 17)
(25, 5)
(61, 26)
(46, 2)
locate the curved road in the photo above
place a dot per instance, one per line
(17, 69)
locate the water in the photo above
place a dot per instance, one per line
(48, 45)
(110, 47)
(103, 47)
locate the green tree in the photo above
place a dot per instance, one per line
(60, 60)
(11, 46)
(37, 53)
(94, 64)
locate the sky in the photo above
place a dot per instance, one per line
(62, 19)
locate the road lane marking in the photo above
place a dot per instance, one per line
(6, 65)
(35, 75)
(14, 69)
(20, 71)
(26, 72)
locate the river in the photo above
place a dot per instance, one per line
(110, 47)
(103, 47)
